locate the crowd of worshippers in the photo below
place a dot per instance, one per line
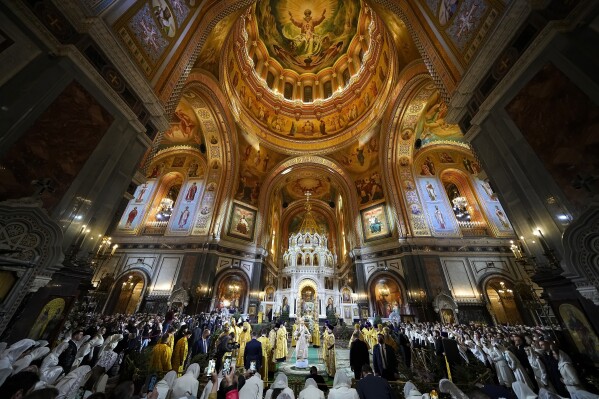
(526, 362)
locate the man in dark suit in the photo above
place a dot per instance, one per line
(67, 357)
(358, 355)
(383, 359)
(322, 385)
(202, 345)
(371, 387)
(253, 352)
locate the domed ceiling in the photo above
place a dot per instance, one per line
(307, 36)
(308, 76)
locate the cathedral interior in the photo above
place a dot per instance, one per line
(420, 160)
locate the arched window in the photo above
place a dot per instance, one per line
(346, 76)
(464, 203)
(308, 94)
(270, 79)
(288, 92)
(328, 89)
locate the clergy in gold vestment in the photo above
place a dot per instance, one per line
(280, 343)
(180, 353)
(316, 336)
(329, 349)
(237, 330)
(357, 330)
(171, 337)
(245, 335)
(266, 348)
(160, 362)
(293, 330)
(272, 340)
(323, 351)
(366, 335)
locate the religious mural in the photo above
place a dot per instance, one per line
(241, 222)
(307, 35)
(375, 224)
(48, 319)
(386, 294)
(149, 28)
(431, 125)
(185, 209)
(580, 330)
(440, 214)
(185, 128)
(231, 293)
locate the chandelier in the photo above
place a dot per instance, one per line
(165, 210)
(128, 284)
(460, 209)
(505, 292)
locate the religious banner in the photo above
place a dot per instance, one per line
(187, 202)
(440, 214)
(494, 210)
(242, 221)
(375, 222)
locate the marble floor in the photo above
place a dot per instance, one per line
(314, 359)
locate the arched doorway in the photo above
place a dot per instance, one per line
(231, 293)
(127, 293)
(386, 295)
(502, 301)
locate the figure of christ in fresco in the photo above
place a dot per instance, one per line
(307, 25)
(183, 218)
(191, 192)
(131, 217)
(439, 217)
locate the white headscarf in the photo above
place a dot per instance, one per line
(410, 390)
(188, 383)
(26, 360)
(311, 390)
(5, 369)
(341, 380)
(69, 384)
(280, 382)
(522, 391)
(16, 350)
(447, 386)
(165, 384)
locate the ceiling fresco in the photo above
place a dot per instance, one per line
(308, 35)
(431, 126)
(209, 58)
(298, 183)
(185, 128)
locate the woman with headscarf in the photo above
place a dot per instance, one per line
(69, 384)
(449, 387)
(26, 360)
(409, 391)
(311, 390)
(279, 387)
(570, 378)
(187, 384)
(166, 384)
(342, 387)
(50, 370)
